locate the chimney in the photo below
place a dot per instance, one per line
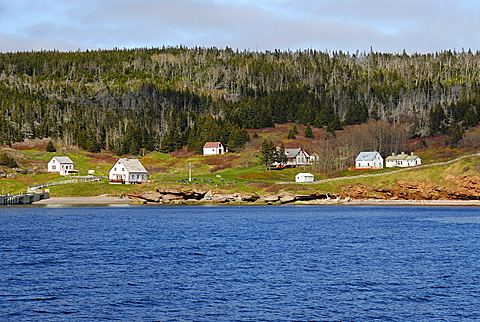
(403, 153)
(411, 153)
(393, 154)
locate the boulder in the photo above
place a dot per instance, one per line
(172, 197)
(249, 198)
(268, 198)
(286, 197)
(151, 196)
(170, 191)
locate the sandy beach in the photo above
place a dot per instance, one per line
(98, 200)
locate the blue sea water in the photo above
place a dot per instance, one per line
(209, 263)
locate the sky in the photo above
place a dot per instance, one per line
(416, 26)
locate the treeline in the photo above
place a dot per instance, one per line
(166, 98)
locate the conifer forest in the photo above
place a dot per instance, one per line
(125, 100)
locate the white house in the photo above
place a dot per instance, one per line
(313, 157)
(127, 171)
(62, 165)
(212, 148)
(402, 160)
(369, 160)
(296, 157)
(304, 177)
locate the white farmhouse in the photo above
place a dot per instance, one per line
(62, 165)
(127, 171)
(369, 160)
(402, 160)
(212, 148)
(304, 177)
(297, 157)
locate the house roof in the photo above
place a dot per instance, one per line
(212, 144)
(304, 174)
(132, 165)
(366, 156)
(292, 153)
(401, 156)
(62, 159)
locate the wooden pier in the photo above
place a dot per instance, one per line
(23, 198)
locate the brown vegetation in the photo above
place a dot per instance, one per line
(220, 167)
(221, 159)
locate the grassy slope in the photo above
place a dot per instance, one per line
(242, 171)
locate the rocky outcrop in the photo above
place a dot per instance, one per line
(172, 195)
(467, 188)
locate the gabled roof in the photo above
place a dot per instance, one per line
(212, 144)
(366, 156)
(292, 153)
(412, 157)
(304, 174)
(132, 165)
(62, 159)
(401, 156)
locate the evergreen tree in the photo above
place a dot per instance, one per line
(281, 155)
(8, 161)
(471, 118)
(50, 147)
(437, 120)
(237, 138)
(291, 132)
(268, 153)
(92, 145)
(309, 132)
(171, 141)
(456, 133)
(357, 113)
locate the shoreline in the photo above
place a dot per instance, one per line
(108, 200)
(97, 200)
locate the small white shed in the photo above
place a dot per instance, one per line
(213, 148)
(304, 177)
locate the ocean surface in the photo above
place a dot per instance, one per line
(249, 263)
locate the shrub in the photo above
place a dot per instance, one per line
(50, 147)
(8, 161)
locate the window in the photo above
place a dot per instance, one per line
(123, 169)
(115, 169)
(54, 167)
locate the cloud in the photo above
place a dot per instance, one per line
(348, 25)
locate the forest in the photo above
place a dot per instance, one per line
(126, 100)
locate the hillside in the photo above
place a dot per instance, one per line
(160, 99)
(242, 172)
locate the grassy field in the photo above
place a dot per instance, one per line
(241, 172)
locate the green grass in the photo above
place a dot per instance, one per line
(246, 174)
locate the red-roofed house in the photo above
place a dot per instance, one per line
(212, 148)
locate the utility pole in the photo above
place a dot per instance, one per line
(189, 172)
